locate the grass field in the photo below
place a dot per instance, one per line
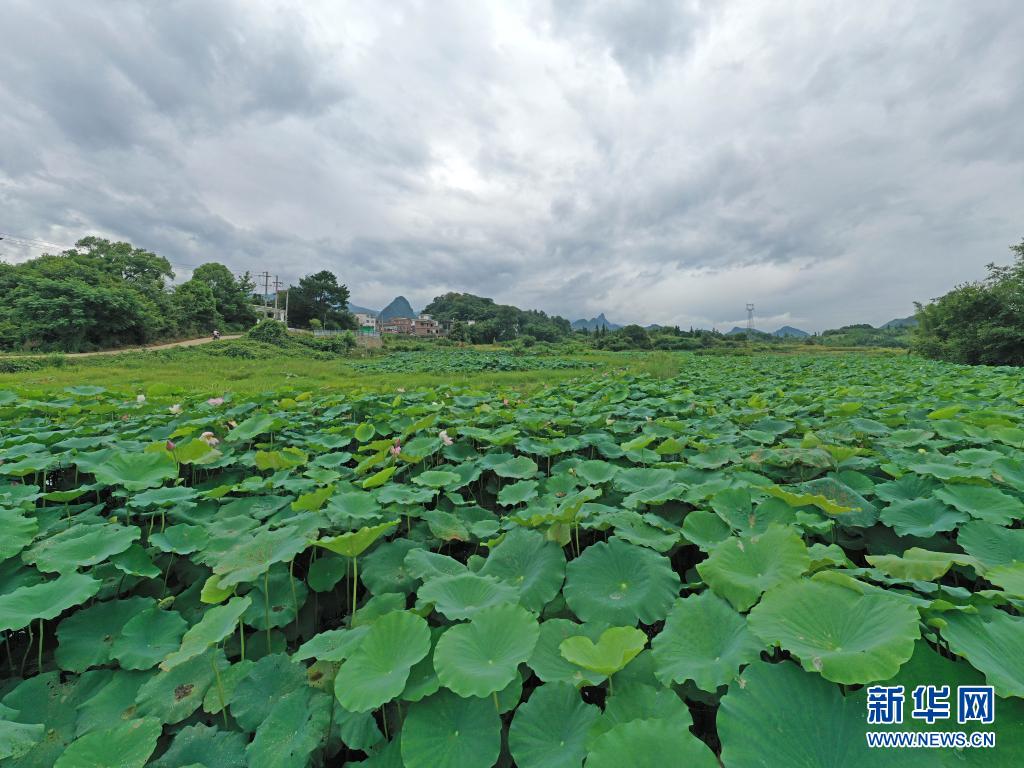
(203, 370)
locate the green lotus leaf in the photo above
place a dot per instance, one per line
(135, 471)
(314, 500)
(18, 532)
(921, 517)
(135, 561)
(777, 714)
(378, 479)
(17, 739)
(619, 583)
(45, 600)
(703, 640)
(464, 595)
(181, 539)
(917, 563)
(206, 746)
(147, 638)
(352, 509)
(423, 680)
(705, 529)
(86, 637)
(384, 569)
(982, 502)
(355, 543)
(992, 545)
(292, 730)
(846, 637)
(550, 729)
(481, 657)
(639, 701)
(212, 592)
(287, 594)
(547, 660)
(175, 495)
(217, 623)
(448, 731)
(646, 743)
(517, 493)
(742, 568)
(1009, 578)
(271, 678)
(614, 649)
(252, 555)
(132, 742)
(596, 472)
(993, 642)
(435, 478)
(519, 468)
(289, 458)
(252, 428)
(171, 696)
(528, 561)
(378, 670)
(79, 546)
(331, 645)
(818, 500)
(219, 696)
(112, 700)
(426, 565)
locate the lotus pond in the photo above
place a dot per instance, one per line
(614, 571)
(467, 361)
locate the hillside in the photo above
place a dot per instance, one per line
(594, 323)
(789, 332)
(900, 322)
(399, 307)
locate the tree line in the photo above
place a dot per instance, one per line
(102, 295)
(980, 322)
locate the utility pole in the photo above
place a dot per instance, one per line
(266, 285)
(750, 321)
(277, 289)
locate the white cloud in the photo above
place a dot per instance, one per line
(659, 161)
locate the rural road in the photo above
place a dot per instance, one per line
(186, 343)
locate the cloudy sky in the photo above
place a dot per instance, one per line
(658, 160)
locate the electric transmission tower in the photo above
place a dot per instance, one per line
(750, 321)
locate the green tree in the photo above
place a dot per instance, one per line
(320, 296)
(196, 307)
(980, 322)
(233, 296)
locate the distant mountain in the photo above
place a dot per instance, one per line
(789, 332)
(737, 330)
(594, 323)
(399, 307)
(901, 322)
(354, 309)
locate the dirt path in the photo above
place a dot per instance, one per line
(186, 343)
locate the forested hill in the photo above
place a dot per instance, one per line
(494, 322)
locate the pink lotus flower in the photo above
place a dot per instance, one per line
(443, 434)
(210, 439)
(175, 409)
(215, 401)
(396, 449)
(170, 445)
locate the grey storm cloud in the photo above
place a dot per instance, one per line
(658, 160)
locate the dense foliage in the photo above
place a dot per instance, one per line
(494, 322)
(319, 301)
(622, 570)
(465, 361)
(102, 294)
(980, 322)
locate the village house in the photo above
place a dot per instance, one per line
(424, 325)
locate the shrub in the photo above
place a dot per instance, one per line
(269, 332)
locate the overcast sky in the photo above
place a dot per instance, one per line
(660, 161)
